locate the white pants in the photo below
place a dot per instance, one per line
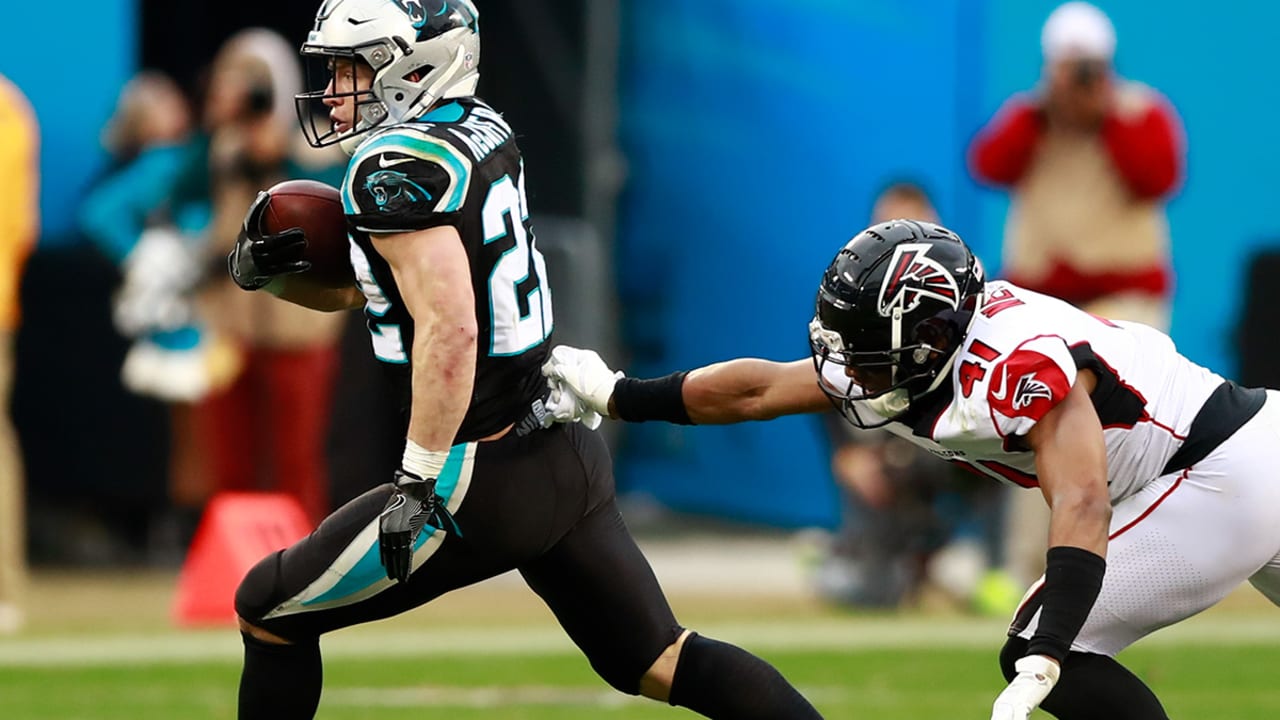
(1186, 540)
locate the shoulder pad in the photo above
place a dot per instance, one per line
(402, 179)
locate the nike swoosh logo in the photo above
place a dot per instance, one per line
(384, 163)
(1003, 392)
(354, 21)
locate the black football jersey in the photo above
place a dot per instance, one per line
(458, 165)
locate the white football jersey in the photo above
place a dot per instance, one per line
(1019, 359)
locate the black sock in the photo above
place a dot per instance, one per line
(1092, 686)
(721, 681)
(280, 682)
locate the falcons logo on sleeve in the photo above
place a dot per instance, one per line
(1027, 384)
(1025, 392)
(913, 275)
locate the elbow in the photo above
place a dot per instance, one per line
(465, 334)
(1092, 503)
(753, 407)
(717, 406)
(757, 403)
(456, 336)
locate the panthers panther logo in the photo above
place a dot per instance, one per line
(393, 191)
(451, 14)
(416, 12)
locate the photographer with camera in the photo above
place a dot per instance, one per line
(1089, 159)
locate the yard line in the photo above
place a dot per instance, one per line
(521, 695)
(857, 633)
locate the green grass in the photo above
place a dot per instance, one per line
(1229, 682)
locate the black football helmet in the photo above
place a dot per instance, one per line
(892, 310)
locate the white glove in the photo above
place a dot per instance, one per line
(563, 406)
(1037, 675)
(583, 373)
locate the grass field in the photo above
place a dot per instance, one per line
(100, 649)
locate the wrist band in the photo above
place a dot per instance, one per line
(1072, 579)
(653, 399)
(423, 462)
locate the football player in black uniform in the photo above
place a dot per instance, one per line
(456, 298)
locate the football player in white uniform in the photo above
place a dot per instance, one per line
(1159, 473)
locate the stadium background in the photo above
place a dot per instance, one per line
(750, 137)
(753, 136)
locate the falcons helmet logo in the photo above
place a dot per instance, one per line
(912, 276)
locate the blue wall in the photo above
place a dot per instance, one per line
(757, 134)
(73, 90)
(757, 137)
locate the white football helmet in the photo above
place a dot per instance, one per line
(420, 50)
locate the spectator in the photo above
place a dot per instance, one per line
(1089, 158)
(149, 141)
(266, 430)
(19, 226)
(906, 516)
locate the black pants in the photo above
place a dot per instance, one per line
(542, 504)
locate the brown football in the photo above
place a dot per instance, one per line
(317, 209)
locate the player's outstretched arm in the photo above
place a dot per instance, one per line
(1071, 463)
(719, 394)
(752, 389)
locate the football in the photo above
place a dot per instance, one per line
(316, 208)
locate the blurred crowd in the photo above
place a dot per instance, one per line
(249, 383)
(247, 380)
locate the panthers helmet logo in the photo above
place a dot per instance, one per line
(413, 8)
(914, 276)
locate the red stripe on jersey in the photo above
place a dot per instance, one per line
(970, 467)
(1162, 426)
(1013, 475)
(1154, 505)
(1114, 412)
(983, 351)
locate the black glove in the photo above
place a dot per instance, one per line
(259, 257)
(413, 505)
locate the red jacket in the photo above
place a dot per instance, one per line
(1144, 146)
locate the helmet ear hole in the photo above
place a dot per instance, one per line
(418, 73)
(399, 97)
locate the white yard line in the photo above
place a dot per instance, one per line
(823, 634)
(523, 695)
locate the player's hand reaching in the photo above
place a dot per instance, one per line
(584, 375)
(563, 406)
(1036, 676)
(413, 505)
(258, 256)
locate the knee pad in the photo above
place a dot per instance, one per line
(1013, 650)
(256, 594)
